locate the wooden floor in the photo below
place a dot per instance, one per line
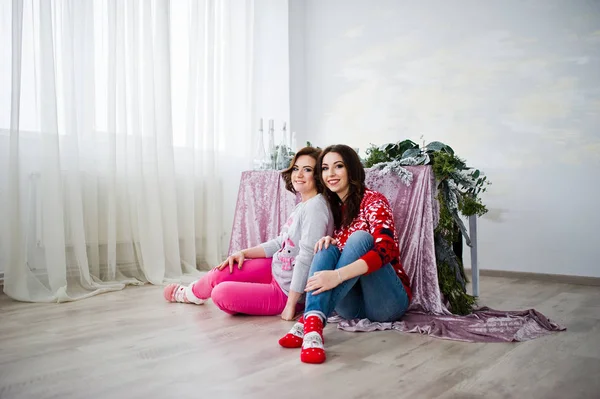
(132, 344)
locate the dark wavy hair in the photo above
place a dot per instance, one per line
(356, 179)
(287, 173)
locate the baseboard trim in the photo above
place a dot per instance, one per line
(554, 278)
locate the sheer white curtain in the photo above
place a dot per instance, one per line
(122, 124)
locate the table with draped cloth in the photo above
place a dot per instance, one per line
(263, 205)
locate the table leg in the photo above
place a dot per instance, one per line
(474, 266)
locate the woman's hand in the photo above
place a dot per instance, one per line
(237, 257)
(289, 312)
(323, 281)
(325, 242)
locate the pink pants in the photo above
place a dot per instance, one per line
(251, 290)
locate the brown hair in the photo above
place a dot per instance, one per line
(287, 174)
(356, 180)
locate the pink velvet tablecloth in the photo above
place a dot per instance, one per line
(263, 205)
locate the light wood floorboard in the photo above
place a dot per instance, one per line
(132, 344)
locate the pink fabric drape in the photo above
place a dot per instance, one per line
(263, 205)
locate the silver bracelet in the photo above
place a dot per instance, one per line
(340, 276)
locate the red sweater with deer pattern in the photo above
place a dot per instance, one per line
(375, 217)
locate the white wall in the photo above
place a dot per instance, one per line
(297, 70)
(271, 65)
(512, 86)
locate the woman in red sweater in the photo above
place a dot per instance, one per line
(357, 272)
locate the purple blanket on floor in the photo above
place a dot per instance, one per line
(262, 208)
(483, 325)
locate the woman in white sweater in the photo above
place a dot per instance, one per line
(270, 279)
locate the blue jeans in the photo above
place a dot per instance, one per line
(378, 296)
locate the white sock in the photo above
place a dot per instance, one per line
(312, 340)
(189, 295)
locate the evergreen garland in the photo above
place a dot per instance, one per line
(458, 187)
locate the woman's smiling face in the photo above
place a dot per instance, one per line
(303, 176)
(335, 174)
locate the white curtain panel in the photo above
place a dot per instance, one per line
(121, 125)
